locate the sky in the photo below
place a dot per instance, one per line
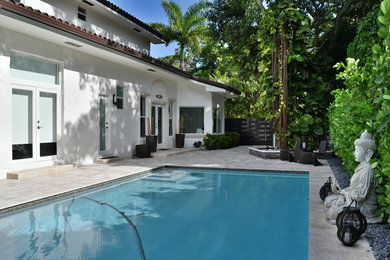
(151, 11)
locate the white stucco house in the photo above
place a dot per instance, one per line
(77, 83)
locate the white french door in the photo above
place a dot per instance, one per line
(104, 127)
(34, 123)
(157, 123)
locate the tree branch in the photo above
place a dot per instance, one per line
(260, 2)
(339, 25)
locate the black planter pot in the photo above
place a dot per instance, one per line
(180, 140)
(151, 143)
(141, 150)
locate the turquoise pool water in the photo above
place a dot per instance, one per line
(179, 213)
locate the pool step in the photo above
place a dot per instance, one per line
(30, 173)
(168, 177)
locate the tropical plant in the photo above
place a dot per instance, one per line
(185, 28)
(244, 36)
(365, 104)
(361, 47)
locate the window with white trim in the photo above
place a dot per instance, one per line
(143, 117)
(31, 68)
(119, 97)
(193, 119)
(82, 13)
(170, 111)
(217, 120)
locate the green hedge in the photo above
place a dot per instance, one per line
(365, 104)
(215, 141)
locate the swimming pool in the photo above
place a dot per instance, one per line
(179, 214)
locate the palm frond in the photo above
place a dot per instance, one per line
(195, 9)
(174, 13)
(164, 30)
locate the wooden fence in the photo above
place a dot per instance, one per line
(253, 131)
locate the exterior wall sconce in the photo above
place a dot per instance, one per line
(117, 101)
(351, 224)
(326, 189)
(114, 100)
(159, 96)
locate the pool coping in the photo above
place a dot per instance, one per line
(57, 196)
(32, 203)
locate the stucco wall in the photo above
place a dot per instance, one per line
(67, 10)
(84, 79)
(189, 95)
(5, 115)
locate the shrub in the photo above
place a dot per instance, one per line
(365, 104)
(215, 141)
(235, 138)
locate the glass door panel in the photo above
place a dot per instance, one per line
(22, 123)
(153, 120)
(47, 124)
(159, 125)
(102, 123)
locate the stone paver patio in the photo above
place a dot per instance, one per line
(323, 243)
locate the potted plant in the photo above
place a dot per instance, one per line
(151, 140)
(180, 136)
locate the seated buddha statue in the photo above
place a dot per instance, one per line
(362, 187)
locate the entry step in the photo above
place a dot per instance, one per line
(164, 153)
(108, 159)
(30, 173)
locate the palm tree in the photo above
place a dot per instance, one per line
(185, 28)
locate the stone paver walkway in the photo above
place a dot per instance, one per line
(323, 243)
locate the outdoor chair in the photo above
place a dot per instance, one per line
(322, 154)
(289, 155)
(299, 155)
(309, 158)
(285, 155)
(305, 157)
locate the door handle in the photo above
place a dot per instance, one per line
(106, 125)
(39, 127)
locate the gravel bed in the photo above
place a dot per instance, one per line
(378, 235)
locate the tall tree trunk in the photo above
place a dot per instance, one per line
(181, 57)
(275, 82)
(280, 85)
(284, 58)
